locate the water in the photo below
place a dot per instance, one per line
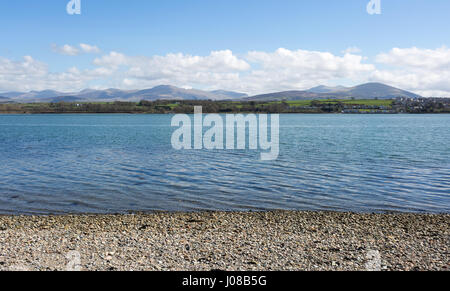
(57, 164)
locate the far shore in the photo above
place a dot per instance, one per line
(171, 113)
(279, 240)
(323, 106)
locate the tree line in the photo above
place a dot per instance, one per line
(187, 106)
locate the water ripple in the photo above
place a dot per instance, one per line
(120, 163)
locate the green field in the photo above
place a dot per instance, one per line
(187, 106)
(367, 102)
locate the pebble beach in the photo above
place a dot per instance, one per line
(228, 241)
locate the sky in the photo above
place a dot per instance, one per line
(250, 46)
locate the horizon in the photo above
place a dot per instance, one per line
(224, 45)
(210, 91)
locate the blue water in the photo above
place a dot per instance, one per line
(55, 164)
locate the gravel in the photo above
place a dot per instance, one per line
(226, 241)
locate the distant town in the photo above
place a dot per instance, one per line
(404, 105)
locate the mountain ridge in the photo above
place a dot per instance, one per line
(326, 89)
(363, 91)
(162, 92)
(168, 92)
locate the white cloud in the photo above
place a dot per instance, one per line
(67, 50)
(416, 58)
(352, 50)
(288, 70)
(89, 49)
(30, 74)
(257, 72)
(70, 50)
(217, 68)
(424, 71)
(112, 60)
(217, 61)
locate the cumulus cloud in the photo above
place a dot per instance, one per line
(14, 73)
(424, 71)
(285, 69)
(257, 72)
(217, 68)
(416, 58)
(70, 50)
(67, 50)
(352, 50)
(222, 61)
(89, 49)
(29, 74)
(112, 60)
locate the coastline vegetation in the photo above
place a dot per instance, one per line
(367, 106)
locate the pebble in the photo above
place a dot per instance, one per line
(204, 241)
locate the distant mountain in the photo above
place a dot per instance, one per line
(39, 95)
(170, 93)
(63, 99)
(102, 95)
(175, 93)
(229, 94)
(164, 92)
(53, 96)
(326, 89)
(11, 94)
(286, 95)
(378, 90)
(4, 99)
(365, 91)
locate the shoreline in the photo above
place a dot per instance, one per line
(232, 112)
(229, 241)
(205, 212)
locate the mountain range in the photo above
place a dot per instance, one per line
(364, 91)
(165, 92)
(157, 93)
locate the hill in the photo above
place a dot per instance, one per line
(164, 92)
(327, 89)
(364, 91)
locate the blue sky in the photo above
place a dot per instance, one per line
(139, 30)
